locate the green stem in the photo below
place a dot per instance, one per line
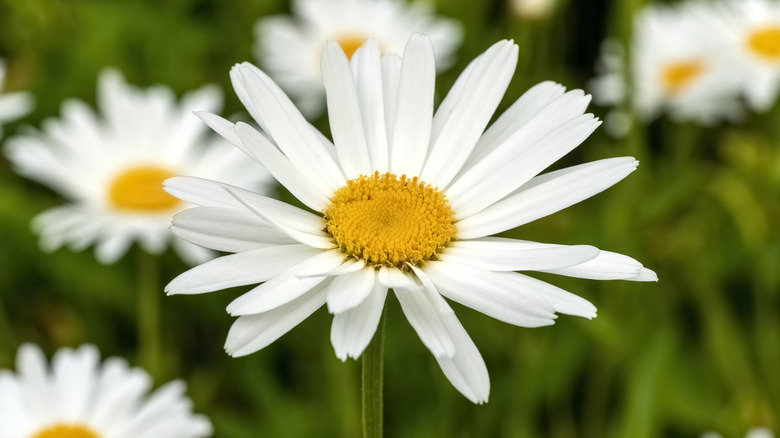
(373, 366)
(149, 313)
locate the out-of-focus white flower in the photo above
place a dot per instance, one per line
(404, 199)
(675, 65)
(533, 9)
(12, 105)
(754, 44)
(289, 48)
(80, 397)
(111, 167)
(756, 432)
(679, 67)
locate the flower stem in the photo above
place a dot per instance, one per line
(149, 313)
(373, 368)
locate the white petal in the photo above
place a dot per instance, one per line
(547, 194)
(296, 223)
(608, 266)
(286, 286)
(511, 120)
(491, 293)
(494, 184)
(391, 78)
(346, 123)
(561, 300)
(74, 380)
(220, 125)
(414, 113)
(254, 332)
(290, 131)
(109, 250)
(348, 267)
(347, 291)
(466, 370)
(14, 105)
(260, 148)
(352, 330)
(468, 117)
(426, 319)
(227, 229)
(201, 192)
(33, 375)
(367, 69)
(516, 255)
(393, 277)
(240, 269)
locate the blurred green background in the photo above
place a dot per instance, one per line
(700, 350)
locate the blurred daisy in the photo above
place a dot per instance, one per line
(289, 48)
(675, 66)
(755, 46)
(112, 167)
(679, 67)
(405, 199)
(78, 397)
(12, 105)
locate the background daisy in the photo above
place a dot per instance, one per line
(289, 47)
(754, 45)
(110, 166)
(80, 397)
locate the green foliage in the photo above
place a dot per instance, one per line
(697, 351)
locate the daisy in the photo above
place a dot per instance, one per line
(12, 105)
(289, 48)
(403, 199)
(679, 67)
(80, 397)
(111, 167)
(754, 44)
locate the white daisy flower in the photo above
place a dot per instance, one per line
(12, 105)
(754, 44)
(111, 167)
(679, 67)
(80, 397)
(289, 48)
(403, 199)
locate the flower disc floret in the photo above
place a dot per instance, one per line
(389, 220)
(140, 189)
(765, 42)
(66, 431)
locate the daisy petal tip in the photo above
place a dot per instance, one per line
(646, 275)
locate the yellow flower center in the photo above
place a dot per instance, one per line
(391, 221)
(66, 431)
(350, 42)
(677, 76)
(140, 189)
(765, 42)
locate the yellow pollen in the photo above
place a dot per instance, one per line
(66, 431)
(765, 42)
(350, 42)
(391, 221)
(678, 75)
(140, 189)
